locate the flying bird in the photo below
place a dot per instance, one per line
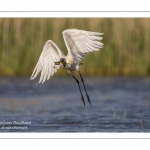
(78, 43)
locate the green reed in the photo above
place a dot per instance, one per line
(126, 44)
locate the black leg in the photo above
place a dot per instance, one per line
(85, 88)
(80, 90)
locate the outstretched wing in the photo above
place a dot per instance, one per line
(50, 54)
(79, 42)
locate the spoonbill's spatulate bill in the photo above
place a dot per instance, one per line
(78, 42)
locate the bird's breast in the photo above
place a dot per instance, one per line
(69, 61)
(70, 65)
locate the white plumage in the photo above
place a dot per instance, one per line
(50, 54)
(78, 42)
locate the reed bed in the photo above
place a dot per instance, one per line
(126, 41)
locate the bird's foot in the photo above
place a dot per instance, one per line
(83, 100)
(88, 98)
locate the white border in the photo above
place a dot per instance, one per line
(77, 5)
(76, 135)
(74, 14)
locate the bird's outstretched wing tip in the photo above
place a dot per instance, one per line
(31, 78)
(41, 82)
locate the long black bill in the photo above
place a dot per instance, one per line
(85, 89)
(57, 63)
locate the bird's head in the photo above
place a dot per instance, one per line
(60, 61)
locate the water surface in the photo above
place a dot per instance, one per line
(118, 105)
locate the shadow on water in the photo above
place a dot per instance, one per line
(118, 105)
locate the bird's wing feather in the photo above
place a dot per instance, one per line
(79, 42)
(50, 54)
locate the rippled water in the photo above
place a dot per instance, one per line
(118, 105)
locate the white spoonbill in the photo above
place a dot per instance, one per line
(78, 42)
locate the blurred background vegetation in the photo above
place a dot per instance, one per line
(126, 41)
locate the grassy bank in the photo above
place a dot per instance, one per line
(126, 44)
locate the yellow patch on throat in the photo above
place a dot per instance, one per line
(69, 61)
